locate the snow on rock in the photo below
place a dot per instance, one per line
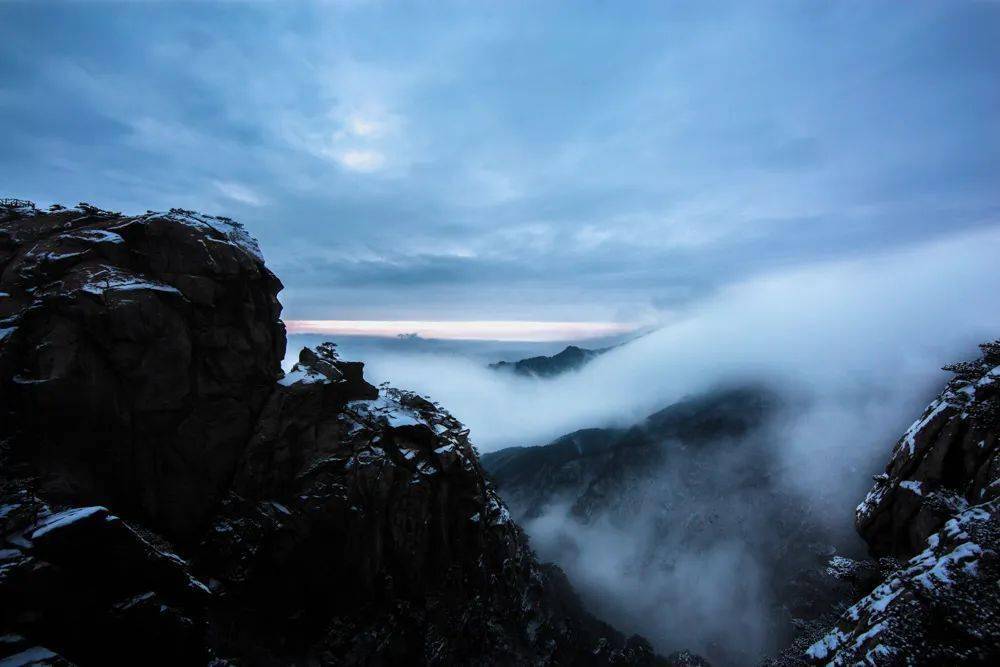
(95, 236)
(67, 518)
(233, 232)
(34, 656)
(110, 279)
(304, 376)
(947, 592)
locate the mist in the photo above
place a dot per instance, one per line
(873, 330)
(852, 347)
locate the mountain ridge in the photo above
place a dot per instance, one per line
(571, 358)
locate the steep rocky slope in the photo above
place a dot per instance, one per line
(167, 496)
(938, 506)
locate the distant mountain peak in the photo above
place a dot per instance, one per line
(571, 358)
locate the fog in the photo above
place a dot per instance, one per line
(853, 346)
(840, 330)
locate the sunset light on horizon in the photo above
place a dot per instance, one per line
(501, 330)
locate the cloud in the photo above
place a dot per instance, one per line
(854, 347)
(620, 160)
(888, 321)
(365, 126)
(364, 161)
(239, 193)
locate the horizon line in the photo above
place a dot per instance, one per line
(498, 330)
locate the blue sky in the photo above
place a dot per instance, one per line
(515, 161)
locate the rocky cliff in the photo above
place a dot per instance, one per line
(168, 496)
(937, 508)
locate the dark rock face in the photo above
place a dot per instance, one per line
(388, 509)
(936, 505)
(82, 583)
(167, 496)
(570, 359)
(136, 353)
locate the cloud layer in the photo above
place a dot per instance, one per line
(515, 161)
(853, 347)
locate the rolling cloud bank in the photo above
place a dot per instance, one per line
(850, 347)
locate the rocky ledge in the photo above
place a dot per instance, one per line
(169, 496)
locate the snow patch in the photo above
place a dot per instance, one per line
(300, 375)
(114, 280)
(66, 518)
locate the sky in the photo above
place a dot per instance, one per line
(519, 161)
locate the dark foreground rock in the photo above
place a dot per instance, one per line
(168, 496)
(137, 352)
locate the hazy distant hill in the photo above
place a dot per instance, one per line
(570, 359)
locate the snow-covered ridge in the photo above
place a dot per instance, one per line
(231, 231)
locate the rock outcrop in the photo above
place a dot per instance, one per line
(937, 506)
(948, 460)
(137, 352)
(168, 496)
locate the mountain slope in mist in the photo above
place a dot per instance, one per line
(590, 464)
(684, 527)
(685, 511)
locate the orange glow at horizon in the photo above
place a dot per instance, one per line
(503, 330)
